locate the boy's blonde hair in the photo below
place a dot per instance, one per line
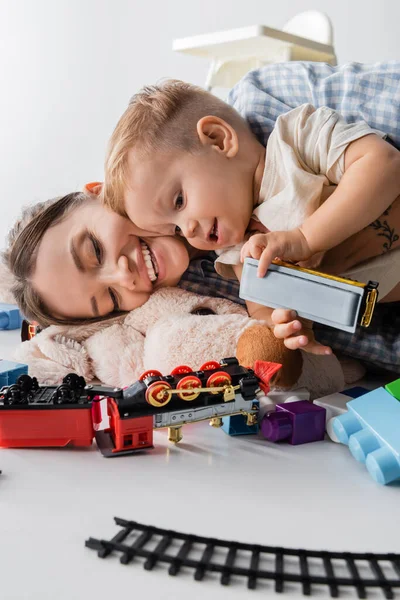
(159, 118)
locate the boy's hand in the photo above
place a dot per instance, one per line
(295, 333)
(286, 245)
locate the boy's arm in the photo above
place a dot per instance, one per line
(366, 171)
(285, 325)
(370, 184)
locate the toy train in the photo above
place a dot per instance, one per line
(69, 414)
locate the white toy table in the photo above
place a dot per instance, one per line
(240, 488)
(234, 52)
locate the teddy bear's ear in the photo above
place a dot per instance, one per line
(257, 342)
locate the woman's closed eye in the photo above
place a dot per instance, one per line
(97, 249)
(114, 299)
(99, 254)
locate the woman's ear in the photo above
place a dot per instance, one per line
(217, 133)
(93, 189)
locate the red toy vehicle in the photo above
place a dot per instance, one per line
(39, 416)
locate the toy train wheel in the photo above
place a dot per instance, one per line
(211, 365)
(27, 383)
(181, 370)
(15, 395)
(150, 373)
(158, 394)
(75, 381)
(218, 379)
(190, 382)
(64, 394)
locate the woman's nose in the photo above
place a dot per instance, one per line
(124, 273)
(121, 275)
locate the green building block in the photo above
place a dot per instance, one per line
(394, 388)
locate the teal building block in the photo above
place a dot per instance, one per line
(236, 425)
(371, 429)
(394, 388)
(10, 316)
(10, 371)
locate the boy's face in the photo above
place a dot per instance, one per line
(205, 197)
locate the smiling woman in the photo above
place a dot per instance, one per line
(73, 260)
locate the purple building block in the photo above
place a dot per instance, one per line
(295, 422)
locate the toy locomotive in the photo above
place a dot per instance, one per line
(41, 416)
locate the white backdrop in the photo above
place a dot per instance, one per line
(68, 68)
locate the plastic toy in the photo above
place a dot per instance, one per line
(295, 422)
(10, 317)
(29, 330)
(34, 416)
(336, 404)
(326, 299)
(237, 424)
(371, 429)
(10, 371)
(394, 388)
(269, 402)
(254, 562)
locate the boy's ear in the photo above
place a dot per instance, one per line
(93, 189)
(218, 134)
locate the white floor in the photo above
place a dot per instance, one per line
(313, 496)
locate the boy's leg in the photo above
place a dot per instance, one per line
(377, 346)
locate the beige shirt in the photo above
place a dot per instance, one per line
(304, 163)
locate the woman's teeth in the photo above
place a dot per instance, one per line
(149, 261)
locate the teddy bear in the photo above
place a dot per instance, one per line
(175, 327)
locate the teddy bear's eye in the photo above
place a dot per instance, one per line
(202, 310)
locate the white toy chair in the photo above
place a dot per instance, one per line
(307, 36)
(313, 25)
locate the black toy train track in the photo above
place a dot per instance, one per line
(157, 545)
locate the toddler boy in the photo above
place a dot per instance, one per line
(183, 162)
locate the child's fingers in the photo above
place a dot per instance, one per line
(254, 247)
(245, 251)
(295, 342)
(283, 315)
(302, 342)
(285, 330)
(265, 260)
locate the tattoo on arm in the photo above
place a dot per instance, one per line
(383, 229)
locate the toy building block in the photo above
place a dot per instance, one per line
(326, 299)
(394, 388)
(10, 371)
(295, 422)
(10, 317)
(237, 425)
(269, 401)
(371, 429)
(336, 404)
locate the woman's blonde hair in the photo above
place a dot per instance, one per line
(21, 254)
(159, 118)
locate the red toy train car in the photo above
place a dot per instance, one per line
(69, 414)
